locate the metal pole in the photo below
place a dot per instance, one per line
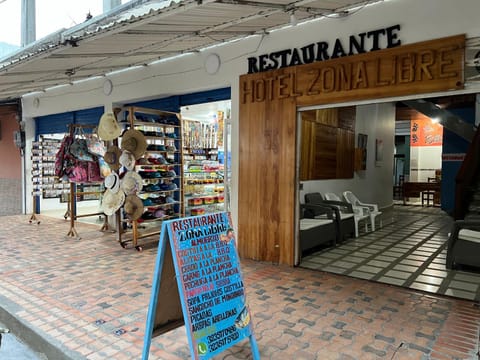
(28, 34)
(110, 4)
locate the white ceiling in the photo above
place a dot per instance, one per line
(156, 29)
(205, 112)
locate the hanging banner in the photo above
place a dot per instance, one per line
(210, 285)
(425, 132)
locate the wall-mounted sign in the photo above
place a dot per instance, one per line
(424, 132)
(424, 67)
(373, 40)
(210, 286)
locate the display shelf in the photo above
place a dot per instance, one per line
(200, 153)
(163, 133)
(45, 183)
(203, 187)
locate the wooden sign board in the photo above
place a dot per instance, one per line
(209, 295)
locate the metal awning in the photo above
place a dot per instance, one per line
(144, 31)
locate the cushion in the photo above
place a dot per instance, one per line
(469, 235)
(306, 224)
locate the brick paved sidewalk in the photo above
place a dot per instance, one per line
(89, 298)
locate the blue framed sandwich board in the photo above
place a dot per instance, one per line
(209, 295)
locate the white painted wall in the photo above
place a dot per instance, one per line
(419, 20)
(424, 160)
(375, 184)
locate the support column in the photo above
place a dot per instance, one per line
(110, 4)
(28, 34)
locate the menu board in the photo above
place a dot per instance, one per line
(210, 284)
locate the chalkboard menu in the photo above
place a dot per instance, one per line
(210, 286)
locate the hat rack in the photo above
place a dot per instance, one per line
(155, 124)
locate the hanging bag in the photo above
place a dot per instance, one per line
(95, 145)
(79, 148)
(77, 171)
(62, 154)
(93, 171)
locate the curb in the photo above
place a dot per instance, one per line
(37, 340)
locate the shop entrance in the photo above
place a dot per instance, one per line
(206, 157)
(410, 247)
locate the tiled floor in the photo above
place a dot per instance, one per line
(409, 251)
(88, 298)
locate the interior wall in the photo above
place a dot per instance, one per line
(378, 122)
(424, 160)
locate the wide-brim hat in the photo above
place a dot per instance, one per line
(108, 127)
(127, 159)
(112, 157)
(135, 142)
(131, 183)
(112, 182)
(112, 201)
(133, 207)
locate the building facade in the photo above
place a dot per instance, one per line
(294, 69)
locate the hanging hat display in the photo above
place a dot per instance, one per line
(108, 127)
(131, 183)
(112, 157)
(133, 207)
(112, 201)
(112, 182)
(134, 141)
(127, 159)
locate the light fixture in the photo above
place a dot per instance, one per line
(293, 19)
(107, 87)
(212, 64)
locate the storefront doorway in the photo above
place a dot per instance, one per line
(409, 249)
(206, 157)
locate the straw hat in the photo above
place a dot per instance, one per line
(108, 127)
(112, 157)
(135, 142)
(127, 159)
(112, 182)
(131, 183)
(133, 207)
(112, 201)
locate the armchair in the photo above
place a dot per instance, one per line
(345, 220)
(372, 208)
(463, 244)
(358, 214)
(316, 232)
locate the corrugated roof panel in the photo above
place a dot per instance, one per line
(140, 32)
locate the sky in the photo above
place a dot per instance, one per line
(51, 15)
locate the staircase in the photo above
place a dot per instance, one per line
(467, 189)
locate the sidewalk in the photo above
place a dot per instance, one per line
(88, 298)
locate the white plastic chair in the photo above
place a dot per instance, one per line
(372, 208)
(359, 213)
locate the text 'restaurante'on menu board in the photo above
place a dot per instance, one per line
(210, 279)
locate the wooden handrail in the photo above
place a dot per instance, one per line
(466, 177)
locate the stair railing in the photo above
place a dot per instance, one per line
(467, 177)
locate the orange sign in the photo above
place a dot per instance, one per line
(425, 132)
